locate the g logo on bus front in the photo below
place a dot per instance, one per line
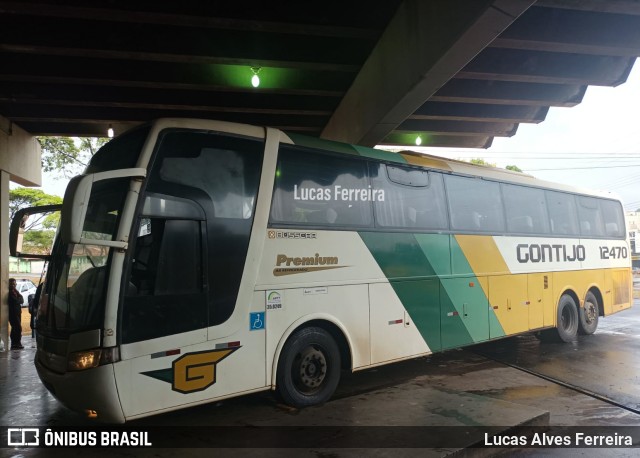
(197, 371)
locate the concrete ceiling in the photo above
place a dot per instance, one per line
(456, 72)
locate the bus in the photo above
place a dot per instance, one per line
(199, 260)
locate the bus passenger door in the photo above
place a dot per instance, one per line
(183, 338)
(164, 312)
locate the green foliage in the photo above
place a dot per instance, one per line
(38, 241)
(91, 145)
(65, 155)
(40, 229)
(29, 197)
(480, 161)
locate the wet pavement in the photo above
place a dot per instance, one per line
(605, 364)
(460, 387)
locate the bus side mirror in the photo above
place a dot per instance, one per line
(76, 203)
(32, 231)
(74, 208)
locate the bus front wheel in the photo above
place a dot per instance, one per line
(589, 315)
(309, 368)
(567, 323)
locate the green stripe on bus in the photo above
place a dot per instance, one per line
(414, 279)
(379, 154)
(475, 297)
(448, 311)
(398, 254)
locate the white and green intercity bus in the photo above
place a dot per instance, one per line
(200, 260)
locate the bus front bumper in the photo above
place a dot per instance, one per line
(91, 392)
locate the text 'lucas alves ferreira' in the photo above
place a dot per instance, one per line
(579, 439)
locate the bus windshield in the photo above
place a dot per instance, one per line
(78, 272)
(74, 294)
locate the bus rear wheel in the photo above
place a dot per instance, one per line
(309, 368)
(589, 314)
(567, 325)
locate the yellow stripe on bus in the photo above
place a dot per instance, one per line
(425, 161)
(483, 254)
(507, 293)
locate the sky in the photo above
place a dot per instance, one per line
(594, 145)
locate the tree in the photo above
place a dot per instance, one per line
(480, 161)
(38, 241)
(68, 155)
(40, 230)
(29, 197)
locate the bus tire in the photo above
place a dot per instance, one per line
(567, 324)
(589, 314)
(309, 368)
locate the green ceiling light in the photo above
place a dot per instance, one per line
(418, 140)
(255, 79)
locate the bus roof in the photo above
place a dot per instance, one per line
(441, 163)
(402, 157)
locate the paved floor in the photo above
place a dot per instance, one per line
(461, 387)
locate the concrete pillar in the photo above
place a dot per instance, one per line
(4, 258)
(20, 163)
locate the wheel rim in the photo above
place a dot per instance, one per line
(567, 319)
(590, 312)
(309, 370)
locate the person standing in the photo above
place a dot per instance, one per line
(15, 315)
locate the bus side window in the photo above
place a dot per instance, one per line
(526, 209)
(413, 198)
(314, 189)
(475, 204)
(591, 223)
(612, 212)
(563, 214)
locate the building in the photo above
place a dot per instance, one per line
(633, 225)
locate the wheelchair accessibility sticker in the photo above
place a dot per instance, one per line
(256, 321)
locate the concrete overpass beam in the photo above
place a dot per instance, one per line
(425, 44)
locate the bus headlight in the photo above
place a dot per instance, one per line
(82, 360)
(88, 359)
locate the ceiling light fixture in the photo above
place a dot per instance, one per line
(255, 79)
(418, 140)
(110, 131)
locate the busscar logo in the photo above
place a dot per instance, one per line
(304, 264)
(193, 371)
(291, 235)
